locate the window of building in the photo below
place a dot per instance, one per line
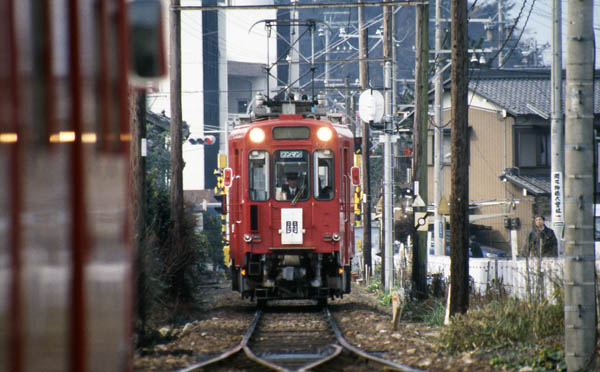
(242, 106)
(532, 148)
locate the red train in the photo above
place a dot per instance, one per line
(291, 188)
(66, 260)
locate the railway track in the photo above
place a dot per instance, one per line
(295, 338)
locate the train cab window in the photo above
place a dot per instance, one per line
(324, 172)
(291, 175)
(258, 184)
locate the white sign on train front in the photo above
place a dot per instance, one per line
(291, 225)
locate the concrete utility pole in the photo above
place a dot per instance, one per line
(327, 33)
(394, 63)
(387, 179)
(459, 197)
(294, 69)
(438, 156)
(348, 105)
(419, 274)
(387, 151)
(176, 196)
(500, 33)
(395, 142)
(579, 260)
(557, 129)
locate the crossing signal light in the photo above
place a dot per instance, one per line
(357, 145)
(227, 177)
(206, 140)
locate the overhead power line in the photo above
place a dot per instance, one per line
(299, 6)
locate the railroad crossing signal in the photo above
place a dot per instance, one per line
(221, 194)
(443, 208)
(421, 220)
(357, 199)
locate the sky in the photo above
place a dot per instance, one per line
(246, 46)
(244, 42)
(539, 25)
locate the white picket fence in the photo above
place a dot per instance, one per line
(518, 277)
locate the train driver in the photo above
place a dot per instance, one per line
(291, 188)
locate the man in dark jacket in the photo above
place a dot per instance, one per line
(541, 241)
(292, 188)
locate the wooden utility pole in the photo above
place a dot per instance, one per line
(419, 272)
(459, 197)
(138, 166)
(580, 278)
(176, 117)
(363, 71)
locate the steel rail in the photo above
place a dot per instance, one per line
(263, 362)
(338, 351)
(228, 353)
(350, 347)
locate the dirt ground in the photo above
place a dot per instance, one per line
(365, 323)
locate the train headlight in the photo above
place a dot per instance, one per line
(247, 238)
(336, 237)
(257, 135)
(324, 134)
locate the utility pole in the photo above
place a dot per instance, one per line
(294, 69)
(438, 156)
(419, 274)
(176, 196)
(394, 64)
(138, 165)
(579, 271)
(557, 129)
(500, 33)
(327, 35)
(366, 187)
(395, 143)
(387, 152)
(348, 105)
(459, 197)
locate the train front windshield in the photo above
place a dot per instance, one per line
(291, 175)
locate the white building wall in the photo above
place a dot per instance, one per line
(244, 46)
(192, 97)
(223, 104)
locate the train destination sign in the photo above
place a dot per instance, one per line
(290, 154)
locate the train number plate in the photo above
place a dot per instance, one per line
(291, 226)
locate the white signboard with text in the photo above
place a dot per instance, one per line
(556, 187)
(291, 225)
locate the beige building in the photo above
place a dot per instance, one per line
(509, 154)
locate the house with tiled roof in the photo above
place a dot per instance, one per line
(509, 153)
